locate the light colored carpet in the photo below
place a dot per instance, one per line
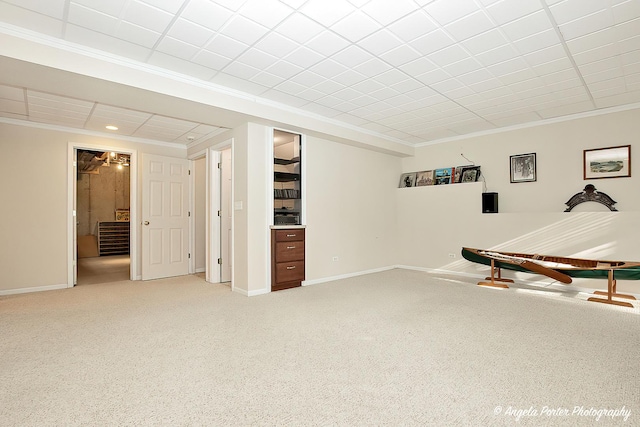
(104, 269)
(393, 348)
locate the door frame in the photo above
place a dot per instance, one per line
(213, 232)
(72, 261)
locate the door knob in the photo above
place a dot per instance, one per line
(146, 223)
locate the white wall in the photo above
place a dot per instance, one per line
(33, 247)
(351, 209)
(436, 221)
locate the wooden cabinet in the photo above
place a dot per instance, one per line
(287, 258)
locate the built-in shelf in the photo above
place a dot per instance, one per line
(113, 238)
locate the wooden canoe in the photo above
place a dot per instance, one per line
(558, 268)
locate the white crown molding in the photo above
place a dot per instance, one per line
(544, 122)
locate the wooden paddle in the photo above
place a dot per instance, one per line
(549, 272)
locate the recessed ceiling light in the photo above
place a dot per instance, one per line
(112, 127)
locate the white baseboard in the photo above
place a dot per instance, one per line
(251, 293)
(201, 270)
(33, 289)
(345, 276)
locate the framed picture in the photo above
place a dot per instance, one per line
(523, 167)
(122, 215)
(424, 178)
(457, 173)
(611, 162)
(407, 180)
(470, 174)
(443, 176)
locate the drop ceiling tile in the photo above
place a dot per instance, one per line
(367, 86)
(552, 67)
(146, 16)
(136, 34)
(415, 25)
(373, 67)
(52, 8)
(483, 86)
(349, 78)
(310, 94)
(629, 45)
(321, 110)
(508, 67)
(241, 70)
(626, 29)
(299, 28)
(380, 42)
(327, 16)
(350, 118)
(612, 86)
(84, 36)
(363, 101)
(605, 75)
(536, 42)
(177, 48)
(304, 57)
(467, 65)
(206, 13)
(577, 107)
(31, 20)
(443, 13)
(573, 10)
(328, 87)
(585, 25)
(509, 10)
(12, 93)
(284, 69)
(190, 32)
(407, 86)
(11, 106)
(400, 55)
(171, 6)
(419, 66)
(469, 26)
(632, 96)
(327, 43)
(266, 12)
(234, 5)
(308, 78)
(386, 12)
(527, 26)
(93, 19)
(518, 76)
(277, 45)
(391, 77)
(602, 65)
(226, 46)
(328, 68)
(244, 30)
(593, 55)
(62, 103)
(497, 55)
(347, 94)
(475, 77)
(432, 42)
(486, 41)
(112, 7)
(515, 119)
(628, 10)
(211, 60)
(290, 87)
(448, 55)
(356, 26)
(543, 56)
(352, 56)
(257, 59)
(432, 77)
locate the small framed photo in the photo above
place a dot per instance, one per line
(407, 180)
(443, 176)
(424, 178)
(523, 167)
(611, 162)
(470, 174)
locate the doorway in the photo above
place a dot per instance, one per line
(102, 215)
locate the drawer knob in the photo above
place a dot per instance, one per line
(291, 235)
(291, 247)
(292, 267)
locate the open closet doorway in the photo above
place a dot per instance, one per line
(102, 221)
(211, 204)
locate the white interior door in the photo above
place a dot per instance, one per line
(165, 217)
(225, 215)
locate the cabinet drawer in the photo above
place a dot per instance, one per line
(289, 251)
(289, 235)
(289, 271)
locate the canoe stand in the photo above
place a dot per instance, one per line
(611, 292)
(495, 282)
